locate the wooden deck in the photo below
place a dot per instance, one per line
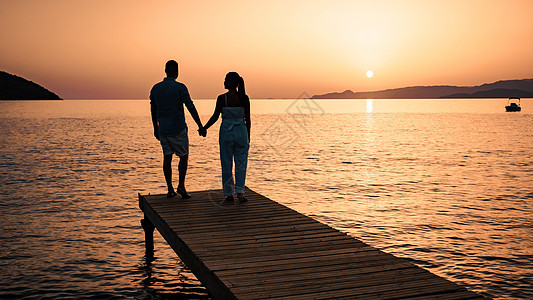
(261, 249)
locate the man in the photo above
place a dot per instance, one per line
(166, 100)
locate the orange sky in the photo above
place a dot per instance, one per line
(116, 49)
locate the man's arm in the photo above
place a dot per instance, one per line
(153, 109)
(195, 116)
(186, 98)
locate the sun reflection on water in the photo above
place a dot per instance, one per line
(369, 105)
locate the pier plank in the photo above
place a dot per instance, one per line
(264, 250)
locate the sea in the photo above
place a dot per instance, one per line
(444, 183)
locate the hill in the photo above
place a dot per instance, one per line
(13, 87)
(500, 89)
(494, 93)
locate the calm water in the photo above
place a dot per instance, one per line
(446, 184)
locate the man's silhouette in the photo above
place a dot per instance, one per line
(166, 100)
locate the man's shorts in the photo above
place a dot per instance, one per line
(178, 144)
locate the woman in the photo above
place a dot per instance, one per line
(234, 136)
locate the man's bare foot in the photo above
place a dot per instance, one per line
(181, 190)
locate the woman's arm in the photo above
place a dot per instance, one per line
(216, 113)
(247, 119)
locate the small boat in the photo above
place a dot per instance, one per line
(513, 105)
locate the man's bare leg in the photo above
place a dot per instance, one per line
(167, 170)
(182, 169)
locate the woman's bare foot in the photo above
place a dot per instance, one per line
(241, 198)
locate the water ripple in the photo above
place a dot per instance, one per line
(453, 198)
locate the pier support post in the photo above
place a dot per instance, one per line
(148, 236)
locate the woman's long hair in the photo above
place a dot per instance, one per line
(235, 80)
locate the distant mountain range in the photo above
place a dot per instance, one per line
(501, 89)
(13, 87)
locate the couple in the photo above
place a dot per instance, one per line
(166, 101)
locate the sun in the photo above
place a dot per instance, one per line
(369, 74)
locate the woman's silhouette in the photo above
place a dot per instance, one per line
(234, 136)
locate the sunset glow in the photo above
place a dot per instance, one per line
(100, 49)
(283, 149)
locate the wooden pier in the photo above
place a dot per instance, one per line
(261, 249)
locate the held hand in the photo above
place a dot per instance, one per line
(202, 131)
